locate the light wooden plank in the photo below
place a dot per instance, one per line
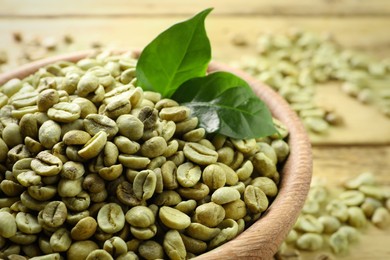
(169, 7)
(364, 33)
(363, 124)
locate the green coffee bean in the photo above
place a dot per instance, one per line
(125, 194)
(200, 154)
(292, 236)
(86, 106)
(231, 175)
(267, 185)
(154, 147)
(214, 176)
(46, 99)
(264, 165)
(144, 233)
(110, 218)
(245, 146)
(42, 193)
(74, 217)
(352, 198)
(310, 242)
(338, 243)
(194, 135)
(115, 246)
(255, 199)
(174, 246)
(54, 214)
(76, 137)
(381, 217)
(338, 209)
(225, 195)
(29, 126)
(29, 178)
(95, 123)
(235, 210)
(133, 161)
(187, 206)
(60, 241)
(49, 134)
(46, 164)
(245, 171)
(8, 225)
(94, 146)
(229, 229)
(330, 224)
(196, 192)
(167, 198)
(11, 135)
(140, 216)
(369, 206)
(27, 223)
(174, 218)
(72, 170)
(3, 150)
(11, 188)
(209, 214)
(309, 223)
(350, 233)
(80, 249)
(99, 254)
(356, 217)
(78, 203)
(363, 179)
(188, 174)
(372, 191)
(64, 112)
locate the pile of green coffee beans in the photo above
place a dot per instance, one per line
(334, 220)
(296, 62)
(93, 167)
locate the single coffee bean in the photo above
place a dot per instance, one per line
(84, 229)
(200, 154)
(60, 240)
(49, 134)
(174, 218)
(54, 214)
(255, 199)
(76, 137)
(64, 112)
(225, 195)
(27, 223)
(95, 123)
(94, 146)
(115, 246)
(46, 164)
(188, 174)
(110, 218)
(209, 214)
(46, 99)
(174, 246)
(8, 225)
(140, 216)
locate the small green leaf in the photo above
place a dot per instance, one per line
(178, 54)
(224, 103)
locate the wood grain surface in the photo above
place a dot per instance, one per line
(361, 144)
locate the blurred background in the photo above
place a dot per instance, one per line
(343, 46)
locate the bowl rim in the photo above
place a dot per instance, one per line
(262, 239)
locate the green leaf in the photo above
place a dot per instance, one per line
(178, 54)
(225, 104)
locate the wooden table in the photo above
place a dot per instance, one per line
(362, 144)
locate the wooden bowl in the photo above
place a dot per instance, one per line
(263, 238)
